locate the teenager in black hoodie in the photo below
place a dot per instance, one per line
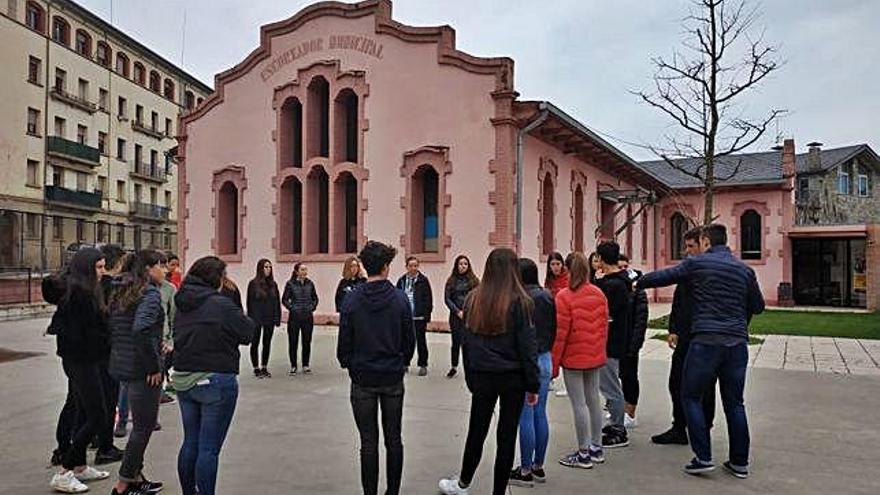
(376, 343)
(301, 300)
(264, 307)
(460, 283)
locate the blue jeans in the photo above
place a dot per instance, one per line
(705, 363)
(206, 410)
(123, 403)
(534, 430)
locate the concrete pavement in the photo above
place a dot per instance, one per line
(812, 432)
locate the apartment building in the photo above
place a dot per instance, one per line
(87, 134)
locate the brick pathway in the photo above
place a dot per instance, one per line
(783, 352)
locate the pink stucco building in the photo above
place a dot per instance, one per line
(345, 125)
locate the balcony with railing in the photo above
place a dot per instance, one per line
(82, 200)
(149, 131)
(74, 151)
(75, 101)
(149, 211)
(149, 172)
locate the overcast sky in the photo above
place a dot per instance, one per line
(583, 55)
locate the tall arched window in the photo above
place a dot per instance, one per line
(189, 100)
(83, 43)
(345, 135)
(155, 81)
(548, 202)
(424, 210)
(35, 17)
(318, 117)
(291, 230)
(678, 225)
(168, 89)
(139, 73)
(103, 54)
(61, 30)
(345, 228)
(318, 190)
(122, 65)
(227, 219)
(579, 219)
(291, 133)
(750, 235)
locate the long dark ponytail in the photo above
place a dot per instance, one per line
(83, 286)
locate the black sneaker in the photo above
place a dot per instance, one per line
(292, 372)
(671, 437)
(120, 430)
(451, 373)
(133, 489)
(57, 457)
(615, 439)
(266, 373)
(258, 373)
(740, 472)
(519, 479)
(697, 466)
(108, 456)
(539, 475)
(150, 487)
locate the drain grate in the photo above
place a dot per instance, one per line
(8, 355)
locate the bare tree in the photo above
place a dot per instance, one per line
(700, 88)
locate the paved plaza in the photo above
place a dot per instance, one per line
(813, 421)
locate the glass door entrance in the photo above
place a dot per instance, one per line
(829, 272)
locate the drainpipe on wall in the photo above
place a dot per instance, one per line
(520, 166)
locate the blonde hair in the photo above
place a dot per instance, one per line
(345, 267)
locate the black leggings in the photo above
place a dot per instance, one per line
(486, 390)
(456, 328)
(85, 378)
(267, 331)
(296, 326)
(629, 378)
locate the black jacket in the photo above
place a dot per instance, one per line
(638, 316)
(264, 309)
(300, 298)
(81, 329)
(456, 293)
(616, 287)
(136, 338)
(376, 335)
(515, 350)
(680, 318)
(423, 299)
(208, 329)
(233, 294)
(544, 317)
(346, 285)
(725, 291)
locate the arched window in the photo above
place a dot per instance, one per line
(189, 100)
(61, 30)
(199, 101)
(318, 115)
(678, 225)
(35, 17)
(579, 219)
(83, 43)
(139, 74)
(103, 54)
(345, 213)
(750, 235)
(318, 190)
(424, 210)
(345, 132)
(548, 203)
(122, 65)
(168, 89)
(227, 219)
(291, 230)
(291, 133)
(155, 81)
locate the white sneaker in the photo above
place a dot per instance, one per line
(67, 483)
(608, 415)
(91, 474)
(562, 393)
(629, 421)
(450, 486)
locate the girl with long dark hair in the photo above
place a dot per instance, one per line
(352, 276)
(137, 320)
(501, 365)
(460, 283)
(301, 300)
(80, 324)
(556, 277)
(264, 307)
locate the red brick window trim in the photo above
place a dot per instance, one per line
(683, 215)
(228, 186)
(548, 173)
(35, 17)
(578, 214)
(745, 214)
(426, 203)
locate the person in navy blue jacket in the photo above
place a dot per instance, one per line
(726, 295)
(376, 344)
